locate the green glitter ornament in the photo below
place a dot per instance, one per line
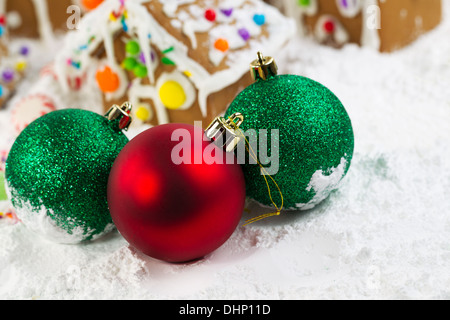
(314, 141)
(57, 172)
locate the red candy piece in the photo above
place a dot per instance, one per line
(210, 15)
(329, 26)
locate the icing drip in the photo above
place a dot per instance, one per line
(171, 6)
(349, 8)
(43, 19)
(370, 37)
(192, 27)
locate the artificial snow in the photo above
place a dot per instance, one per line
(384, 234)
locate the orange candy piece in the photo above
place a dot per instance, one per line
(91, 4)
(222, 45)
(107, 80)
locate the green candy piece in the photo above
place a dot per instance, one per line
(140, 71)
(133, 47)
(304, 3)
(129, 63)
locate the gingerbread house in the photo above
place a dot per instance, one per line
(174, 60)
(385, 25)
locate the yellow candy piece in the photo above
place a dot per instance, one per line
(143, 113)
(21, 65)
(172, 95)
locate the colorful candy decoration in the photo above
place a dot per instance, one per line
(260, 19)
(108, 81)
(330, 31)
(143, 112)
(329, 26)
(175, 91)
(135, 60)
(210, 15)
(172, 94)
(91, 4)
(244, 33)
(132, 47)
(29, 109)
(222, 45)
(227, 12)
(8, 75)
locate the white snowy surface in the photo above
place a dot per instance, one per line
(385, 234)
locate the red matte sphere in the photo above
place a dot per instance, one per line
(171, 212)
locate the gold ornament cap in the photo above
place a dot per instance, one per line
(224, 132)
(121, 113)
(263, 68)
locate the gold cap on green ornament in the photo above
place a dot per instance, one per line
(121, 113)
(225, 132)
(263, 67)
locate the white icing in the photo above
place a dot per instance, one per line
(43, 19)
(352, 9)
(371, 24)
(192, 27)
(2, 6)
(139, 91)
(14, 20)
(323, 183)
(310, 10)
(171, 6)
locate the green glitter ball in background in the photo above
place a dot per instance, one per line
(316, 140)
(57, 174)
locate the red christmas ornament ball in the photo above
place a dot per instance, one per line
(175, 212)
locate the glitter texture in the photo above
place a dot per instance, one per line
(315, 139)
(57, 172)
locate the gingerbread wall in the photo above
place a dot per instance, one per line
(398, 22)
(29, 25)
(403, 21)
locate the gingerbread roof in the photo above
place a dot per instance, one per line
(211, 41)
